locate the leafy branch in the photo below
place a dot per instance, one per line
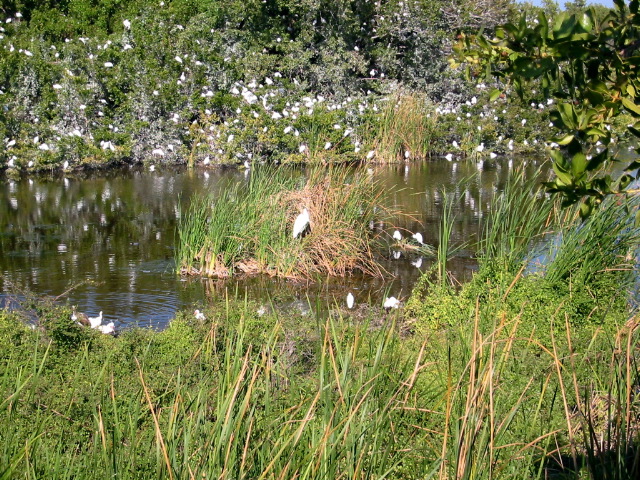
(590, 67)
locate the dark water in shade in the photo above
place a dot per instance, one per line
(106, 241)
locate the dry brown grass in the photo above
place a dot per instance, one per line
(257, 237)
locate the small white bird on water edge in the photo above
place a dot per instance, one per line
(391, 302)
(350, 300)
(108, 329)
(95, 322)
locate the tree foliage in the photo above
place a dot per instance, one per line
(589, 64)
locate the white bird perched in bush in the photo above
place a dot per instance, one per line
(391, 302)
(301, 223)
(95, 322)
(417, 237)
(397, 235)
(199, 315)
(350, 300)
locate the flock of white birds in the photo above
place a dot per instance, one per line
(276, 106)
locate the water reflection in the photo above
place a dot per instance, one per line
(109, 237)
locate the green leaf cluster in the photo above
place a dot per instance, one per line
(588, 64)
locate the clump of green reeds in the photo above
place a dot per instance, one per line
(248, 228)
(607, 241)
(406, 124)
(517, 218)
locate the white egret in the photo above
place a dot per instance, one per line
(417, 263)
(397, 235)
(417, 237)
(301, 223)
(199, 315)
(350, 300)
(95, 322)
(391, 302)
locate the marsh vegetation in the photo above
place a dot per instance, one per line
(526, 369)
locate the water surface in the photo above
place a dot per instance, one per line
(105, 241)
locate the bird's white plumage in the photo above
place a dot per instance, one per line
(95, 322)
(391, 302)
(108, 329)
(199, 315)
(418, 237)
(397, 235)
(301, 223)
(350, 300)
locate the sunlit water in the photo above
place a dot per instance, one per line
(106, 241)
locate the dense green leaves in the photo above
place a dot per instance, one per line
(589, 63)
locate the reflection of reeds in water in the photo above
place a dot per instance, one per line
(249, 229)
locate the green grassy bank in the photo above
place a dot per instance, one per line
(245, 396)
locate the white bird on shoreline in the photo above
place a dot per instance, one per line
(301, 223)
(391, 302)
(199, 315)
(350, 300)
(108, 329)
(95, 322)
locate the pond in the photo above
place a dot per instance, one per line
(105, 241)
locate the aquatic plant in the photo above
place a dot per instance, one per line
(248, 228)
(516, 220)
(405, 128)
(606, 242)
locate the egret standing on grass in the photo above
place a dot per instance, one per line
(301, 223)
